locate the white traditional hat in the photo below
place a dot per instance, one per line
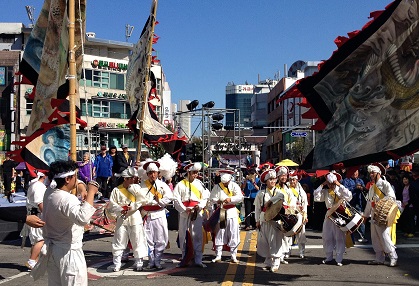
(333, 176)
(226, 175)
(152, 166)
(268, 174)
(294, 175)
(128, 173)
(376, 168)
(193, 167)
(281, 170)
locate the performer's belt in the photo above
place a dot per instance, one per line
(152, 208)
(226, 207)
(190, 204)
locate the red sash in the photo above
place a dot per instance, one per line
(190, 204)
(152, 208)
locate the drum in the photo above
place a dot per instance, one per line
(385, 211)
(274, 211)
(291, 224)
(211, 223)
(346, 217)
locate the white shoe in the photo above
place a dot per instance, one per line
(339, 264)
(302, 256)
(284, 261)
(274, 269)
(393, 262)
(287, 255)
(234, 260)
(116, 268)
(216, 259)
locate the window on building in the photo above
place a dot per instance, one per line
(119, 110)
(85, 108)
(104, 79)
(101, 108)
(117, 81)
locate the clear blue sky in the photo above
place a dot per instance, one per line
(204, 44)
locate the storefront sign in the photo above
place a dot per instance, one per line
(109, 65)
(112, 95)
(112, 125)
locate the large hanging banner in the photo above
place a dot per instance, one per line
(366, 94)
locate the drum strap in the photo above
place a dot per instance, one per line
(336, 199)
(192, 188)
(226, 190)
(295, 192)
(126, 193)
(152, 189)
(378, 192)
(286, 195)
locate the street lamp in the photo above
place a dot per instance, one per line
(209, 104)
(192, 105)
(217, 117)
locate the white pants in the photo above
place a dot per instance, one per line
(382, 243)
(269, 243)
(195, 227)
(66, 266)
(157, 235)
(333, 239)
(229, 236)
(136, 235)
(301, 239)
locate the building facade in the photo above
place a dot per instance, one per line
(103, 99)
(285, 123)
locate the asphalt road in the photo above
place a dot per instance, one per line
(307, 271)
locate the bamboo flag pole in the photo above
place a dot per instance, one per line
(72, 78)
(147, 78)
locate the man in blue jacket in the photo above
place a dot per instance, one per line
(250, 188)
(102, 170)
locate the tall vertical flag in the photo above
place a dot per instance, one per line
(45, 65)
(366, 94)
(137, 73)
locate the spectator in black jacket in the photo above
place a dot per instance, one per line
(8, 166)
(408, 198)
(124, 159)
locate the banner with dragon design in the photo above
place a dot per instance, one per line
(366, 95)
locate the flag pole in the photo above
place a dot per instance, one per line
(72, 78)
(147, 78)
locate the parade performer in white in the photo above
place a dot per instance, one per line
(124, 203)
(333, 237)
(226, 195)
(270, 237)
(301, 197)
(289, 204)
(154, 196)
(65, 217)
(191, 197)
(34, 206)
(380, 234)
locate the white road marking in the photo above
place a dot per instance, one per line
(21, 274)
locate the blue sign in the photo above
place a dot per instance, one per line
(299, 134)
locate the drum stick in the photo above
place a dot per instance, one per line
(360, 234)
